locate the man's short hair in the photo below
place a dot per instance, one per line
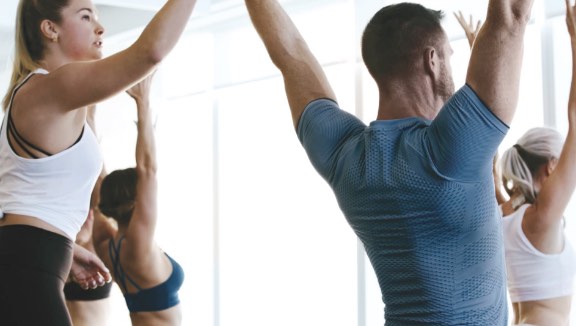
(396, 36)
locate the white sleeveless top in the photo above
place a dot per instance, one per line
(533, 275)
(55, 189)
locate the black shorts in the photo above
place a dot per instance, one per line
(34, 265)
(73, 292)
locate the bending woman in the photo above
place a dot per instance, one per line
(539, 175)
(49, 158)
(148, 278)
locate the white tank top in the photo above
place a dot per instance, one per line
(55, 189)
(533, 275)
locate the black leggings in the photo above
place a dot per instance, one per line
(34, 264)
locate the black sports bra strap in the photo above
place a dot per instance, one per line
(14, 132)
(118, 270)
(16, 137)
(115, 258)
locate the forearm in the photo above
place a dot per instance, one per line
(164, 30)
(304, 78)
(572, 96)
(568, 155)
(145, 142)
(282, 39)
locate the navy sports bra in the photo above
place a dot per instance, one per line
(159, 297)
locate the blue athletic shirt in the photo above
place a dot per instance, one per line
(420, 196)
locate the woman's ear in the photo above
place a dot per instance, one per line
(49, 30)
(550, 166)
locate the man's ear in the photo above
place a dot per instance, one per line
(431, 61)
(49, 30)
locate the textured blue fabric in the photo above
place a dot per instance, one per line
(420, 196)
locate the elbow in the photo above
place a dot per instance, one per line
(290, 55)
(147, 168)
(520, 13)
(154, 56)
(514, 19)
(150, 53)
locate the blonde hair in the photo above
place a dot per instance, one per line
(521, 162)
(29, 42)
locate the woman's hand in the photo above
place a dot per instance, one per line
(469, 28)
(88, 270)
(141, 91)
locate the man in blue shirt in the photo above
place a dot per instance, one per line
(415, 185)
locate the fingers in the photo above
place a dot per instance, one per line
(94, 281)
(102, 268)
(88, 270)
(107, 277)
(460, 19)
(85, 284)
(89, 284)
(468, 24)
(100, 281)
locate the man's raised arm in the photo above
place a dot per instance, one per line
(496, 59)
(304, 78)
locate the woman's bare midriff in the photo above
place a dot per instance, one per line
(15, 219)
(169, 317)
(544, 312)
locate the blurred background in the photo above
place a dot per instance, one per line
(257, 231)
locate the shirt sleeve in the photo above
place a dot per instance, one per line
(464, 137)
(323, 129)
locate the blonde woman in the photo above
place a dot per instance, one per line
(49, 158)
